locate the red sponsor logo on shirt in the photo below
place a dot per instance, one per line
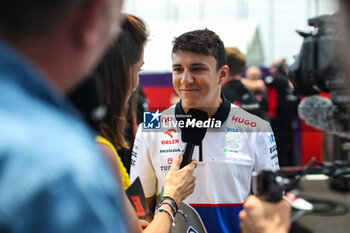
(170, 142)
(244, 121)
(170, 132)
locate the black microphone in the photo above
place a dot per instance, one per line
(320, 113)
(191, 134)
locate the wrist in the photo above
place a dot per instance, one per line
(173, 195)
(171, 201)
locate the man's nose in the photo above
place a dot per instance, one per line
(186, 78)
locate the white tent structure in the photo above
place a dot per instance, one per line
(243, 34)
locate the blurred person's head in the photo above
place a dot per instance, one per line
(64, 39)
(118, 72)
(236, 61)
(253, 73)
(279, 67)
(199, 67)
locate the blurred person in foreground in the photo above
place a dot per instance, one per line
(236, 145)
(264, 217)
(117, 77)
(53, 178)
(233, 88)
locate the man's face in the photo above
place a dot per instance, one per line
(196, 80)
(273, 69)
(253, 73)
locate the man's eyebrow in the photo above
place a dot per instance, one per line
(198, 64)
(193, 64)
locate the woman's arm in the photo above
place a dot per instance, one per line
(178, 185)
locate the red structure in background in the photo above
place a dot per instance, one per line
(158, 89)
(158, 97)
(312, 143)
(312, 140)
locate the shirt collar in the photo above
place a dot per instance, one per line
(221, 114)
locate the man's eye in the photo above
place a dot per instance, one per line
(197, 69)
(177, 70)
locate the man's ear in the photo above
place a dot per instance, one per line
(223, 73)
(89, 23)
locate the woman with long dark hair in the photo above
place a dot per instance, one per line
(116, 78)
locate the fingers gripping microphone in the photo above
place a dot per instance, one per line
(320, 113)
(193, 136)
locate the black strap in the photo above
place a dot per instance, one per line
(201, 152)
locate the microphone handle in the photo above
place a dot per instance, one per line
(187, 156)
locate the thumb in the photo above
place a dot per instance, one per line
(193, 164)
(177, 163)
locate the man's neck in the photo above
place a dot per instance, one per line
(210, 110)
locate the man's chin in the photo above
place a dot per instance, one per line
(189, 104)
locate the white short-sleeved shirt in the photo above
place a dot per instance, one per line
(244, 143)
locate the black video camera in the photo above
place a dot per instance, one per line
(323, 66)
(318, 67)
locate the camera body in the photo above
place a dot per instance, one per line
(317, 67)
(323, 66)
(268, 186)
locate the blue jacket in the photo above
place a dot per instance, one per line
(52, 176)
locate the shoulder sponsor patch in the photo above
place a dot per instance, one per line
(272, 149)
(271, 138)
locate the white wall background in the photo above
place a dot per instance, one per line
(277, 19)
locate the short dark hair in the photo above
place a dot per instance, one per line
(33, 17)
(203, 42)
(114, 73)
(236, 61)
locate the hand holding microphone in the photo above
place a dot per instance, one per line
(179, 183)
